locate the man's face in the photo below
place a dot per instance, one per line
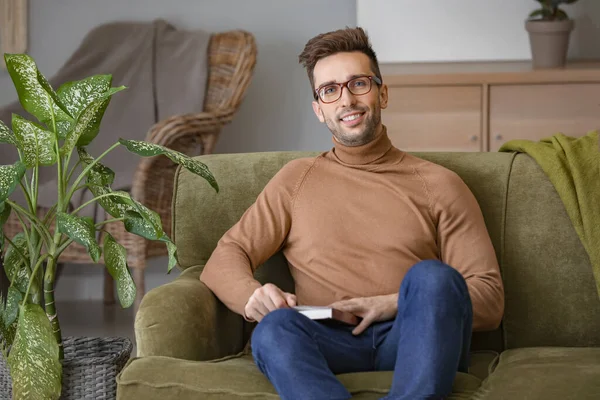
(340, 116)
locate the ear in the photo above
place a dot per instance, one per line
(318, 111)
(383, 96)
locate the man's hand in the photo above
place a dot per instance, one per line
(370, 309)
(266, 299)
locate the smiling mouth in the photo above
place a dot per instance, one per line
(352, 117)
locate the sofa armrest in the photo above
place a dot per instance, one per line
(184, 319)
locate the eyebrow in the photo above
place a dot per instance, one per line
(349, 78)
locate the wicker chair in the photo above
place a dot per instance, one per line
(232, 58)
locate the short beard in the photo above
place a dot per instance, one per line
(366, 136)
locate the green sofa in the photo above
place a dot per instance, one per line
(190, 346)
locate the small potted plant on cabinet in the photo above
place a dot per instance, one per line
(549, 29)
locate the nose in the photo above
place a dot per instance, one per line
(347, 98)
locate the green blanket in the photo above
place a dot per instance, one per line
(573, 167)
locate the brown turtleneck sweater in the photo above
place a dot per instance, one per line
(351, 222)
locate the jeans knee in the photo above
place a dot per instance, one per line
(435, 278)
(270, 333)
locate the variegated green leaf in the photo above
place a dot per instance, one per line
(81, 230)
(99, 184)
(35, 94)
(35, 368)
(10, 175)
(100, 174)
(57, 101)
(135, 223)
(13, 298)
(113, 200)
(63, 128)
(6, 136)
(99, 179)
(88, 123)
(16, 262)
(115, 258)
(7, 330)
(4, 214)
(77, 95)
(36, 143)
(16, 267)
(172, 251)
(113, 206)
(150, 149)
(139, 219)
(92, 116)
(144, 222)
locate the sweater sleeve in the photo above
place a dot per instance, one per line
(260, 233)
(465, 245)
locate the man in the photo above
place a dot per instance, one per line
(369, 229)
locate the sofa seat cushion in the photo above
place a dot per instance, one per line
(544, 373)
(482, 362)
(237, 377)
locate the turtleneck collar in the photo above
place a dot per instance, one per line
(365, 154)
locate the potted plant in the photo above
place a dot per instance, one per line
(68, 120)
(549, 30)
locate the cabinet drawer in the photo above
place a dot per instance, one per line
(434, 118)
(534, 112)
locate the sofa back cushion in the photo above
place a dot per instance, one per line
(507, 195)
(551, 297)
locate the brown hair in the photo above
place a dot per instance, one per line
(330, 43)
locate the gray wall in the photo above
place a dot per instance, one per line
(276, 114)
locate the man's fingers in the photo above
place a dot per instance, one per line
(347, 305)
(267, 302)
(261, 309)
(278, 299)
(291, 299)
(364, 324)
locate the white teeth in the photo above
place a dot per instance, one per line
(351, 117)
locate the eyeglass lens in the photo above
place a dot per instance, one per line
(356, 86)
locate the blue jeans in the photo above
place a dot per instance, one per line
(426, 344)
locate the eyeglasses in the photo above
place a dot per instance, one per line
(357, 86)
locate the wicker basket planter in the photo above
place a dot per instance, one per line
(90, 368)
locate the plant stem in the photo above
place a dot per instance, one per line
(59, 174)
(70, 175)
(34, 188)
(63, 246)
(99, 224)
(86, 170)
(66, 167)
(27, 239)
(35, 222)
(35, 269)
(49, 215)
(51, 307)
(27, 196)
(25, 230)
(80, 187)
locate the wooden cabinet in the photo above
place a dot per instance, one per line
(442, 118)
(480, 106)
(537, 111)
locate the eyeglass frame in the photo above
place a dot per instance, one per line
(343, 85)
